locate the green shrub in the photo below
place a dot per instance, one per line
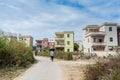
(69, 56)
(44, 54)
(15, 53)
(58, 55)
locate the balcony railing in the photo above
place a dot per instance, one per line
(38, 43)
(98, 43)
(59, 45)
(96, 33)
(59, 38)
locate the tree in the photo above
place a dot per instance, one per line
(76, 47)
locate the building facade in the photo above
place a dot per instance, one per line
(51, 43)
(101, 39)
(64, 41)
(28, 40)
(41, 44)
(11, 38)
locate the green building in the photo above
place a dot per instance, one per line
(64, 41)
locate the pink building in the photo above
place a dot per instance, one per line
(45, 42)
(51, 45)
(41, 44)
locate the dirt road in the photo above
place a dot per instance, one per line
(45, 69)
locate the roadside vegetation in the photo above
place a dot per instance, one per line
(104, 68)
(58, 55)
(14, 58)
(107, 69)
(13, 53)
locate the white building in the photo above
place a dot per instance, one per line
(101, 39)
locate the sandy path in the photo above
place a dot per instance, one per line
(45, 69)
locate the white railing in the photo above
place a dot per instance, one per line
(99, 43)
(59, 45)
(59, 38)
(96, 33)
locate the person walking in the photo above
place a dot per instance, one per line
(36, 52)
(52, 55)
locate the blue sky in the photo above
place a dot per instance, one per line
(42, 18)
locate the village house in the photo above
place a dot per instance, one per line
(64, 41)
(41, 44)
(101, 39)
(28, 40)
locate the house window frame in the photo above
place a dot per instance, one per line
(68, 42)
(110, 29)
(68, 50)
(111, 39)
(68, 35)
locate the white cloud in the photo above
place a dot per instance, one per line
(40, 19)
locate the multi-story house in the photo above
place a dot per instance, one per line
(41, 44)
(28, 40)
(101, 39)
(11, 38)
(64, 41)
(45, 42)
(8, 36)
(51, 43)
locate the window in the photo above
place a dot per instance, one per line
(68, 35)
(111, 39)
(94, 48)
(68, 42)
(110, 28)
(68, 50)
(100, 40)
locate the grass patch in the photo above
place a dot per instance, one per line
(9, 73)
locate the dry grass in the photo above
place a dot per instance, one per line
(74, 70)
(10, 73)
(104, 70)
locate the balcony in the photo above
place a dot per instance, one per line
(100, 33)
(98, 44)
(38, 43)
(56, 45)
(59, 38)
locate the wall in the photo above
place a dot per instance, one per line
(112, 34)
(71, 39)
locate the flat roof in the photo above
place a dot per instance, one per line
(109, 24)
(91, 26)
(104, 24)
(64, 32)
(26, 36)
(38, 40)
